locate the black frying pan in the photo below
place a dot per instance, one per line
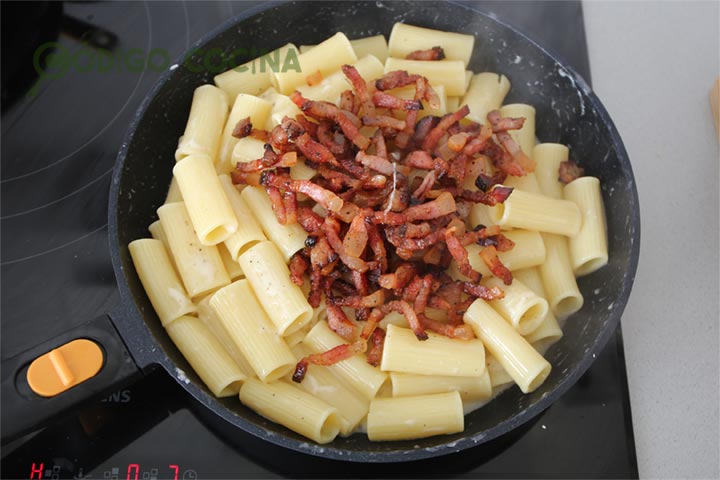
(567, 112)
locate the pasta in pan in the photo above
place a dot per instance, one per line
(373, 240)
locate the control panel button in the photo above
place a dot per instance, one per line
(64, 367)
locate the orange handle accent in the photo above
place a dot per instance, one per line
(64, 367)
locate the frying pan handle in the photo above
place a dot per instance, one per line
(23, 410)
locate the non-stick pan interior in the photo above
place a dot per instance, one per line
(567, 112)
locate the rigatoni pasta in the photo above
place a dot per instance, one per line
(158, 277)
(588, 249)
(200, 266)
(398, 255)
(206, 356)
(269, 277)
(209, 208)
(254, 334)
(205, 123)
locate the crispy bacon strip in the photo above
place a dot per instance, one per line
(298, 266)
(384, 121)
(340, 324)
(451, 118)
(460, 332)
(491, 259)
(331, 228)
(356, 237)
(374, 162)
(395, 79)
(569, 171)
(385, 100)
(491, 198)
(434, 53)
(243, 128)
(457, 250)
(330, 357)
(322, 196)
(481, 291)
(377, 344)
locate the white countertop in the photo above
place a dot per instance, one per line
(653, 64)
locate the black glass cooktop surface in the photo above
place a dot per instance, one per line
(63, 120)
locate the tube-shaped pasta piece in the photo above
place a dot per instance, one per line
(538, 212)
(452, 103)
(205, 123)
(256, 108)
(548, 157)
(529, 251)
(355, 371)
(209, 208)
(282, 107)
(269, 276)
(160, 280)
(296, 337)
(255, 76)
(438, 355)
(329, 90)
(526, 183)
(288, 238)
(249, 231)
(496, 372)
(419, 416)
(173, 194)
(252, 331)
(245, 150)
(558, 277)
(200, 266)
(376, 46)
(233, 268)
(521, 307)
(206, 356)
(210, 319)
(549, 330)
(293, 408)
(300, 171)
(320, 382)
(405, 39)
(450, 73)
(469, 388)
(481, 214)
(525, 137)
(326, 58)
(519, 359)
(394, 318)
(485, 93)
(588, 249)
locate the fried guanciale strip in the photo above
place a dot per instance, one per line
(461, 332)
(322, 196)
(385, 100)
(432, 138)
(377, 343)
(481, 291)
(340, 324)
(298, 266)
(434, 53)
(493, 262)
(457, 250)
(330, 357)
(569, 171)
(243, 128)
